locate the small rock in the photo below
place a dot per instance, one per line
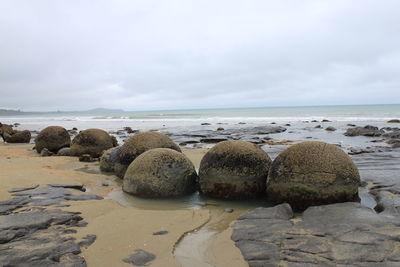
(229, 210)
(140, 258)
(86, 158)
(318, 126)
(220, 129)
(46, 153)
(20, 189)
(160, 232)
(330, 128)
(394, 121)
(206, 123)
(325, 120)
(66, 152)
(287, 124)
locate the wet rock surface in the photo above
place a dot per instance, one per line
(33, 233)
(140, 258)
(340, 234)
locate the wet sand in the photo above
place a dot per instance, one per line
(119, 229)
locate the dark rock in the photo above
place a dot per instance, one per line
(140, 258)
(273, 122)
(206, 123)
(393, 134)
(18, 137)
(325, 120)
(312, 173)
(359, 150)
(234, 169)
(287, 124)
(20, 189)
(160, 172)
(241, 123)
(314, 121)
(213, 140)
(330, 128)
(87, 241)
(66, 152)
(345, 234)
(160, 233)
(220, 129)
(86, 158)
(109, 159)
(351, 125)
(79, 187)
(83, 197)
(318, 126)
(229, 210)
(92, 142)
(394, 121)
(52, 138)
(46, 153)
(364, 131)
(129, 130)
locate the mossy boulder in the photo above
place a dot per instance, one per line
(91, 141)
(312, 173)
(109, 159)
(140, 143)
(234, 170)
(160, 172)
(53, 138)
(18, 137)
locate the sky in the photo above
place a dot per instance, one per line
(152, 55)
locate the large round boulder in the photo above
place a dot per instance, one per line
(312, 173)
(234, 170)
(109, 159)
(53, 138)
(140, 143)
(160, 172)
(92, 142)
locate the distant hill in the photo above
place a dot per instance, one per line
(96, 111)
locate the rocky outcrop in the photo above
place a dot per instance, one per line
(368, 130)
(234, 170)
(109, 159)
(343, 234)
(312, 173)
(18, 137)
(160, 172)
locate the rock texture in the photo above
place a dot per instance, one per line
(140, 258)
(140, 143)
(343, 234)
(18, 137)
(312, 173)
(109, 159)
(33, 232)
(234, 170)
(92, 142)
(160, 172)
(53, 138)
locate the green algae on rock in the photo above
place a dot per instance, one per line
(53, 138)
(160, 172)
(312, 173)
(234, 170)
(92, 142)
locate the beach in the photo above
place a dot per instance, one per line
(194, 230)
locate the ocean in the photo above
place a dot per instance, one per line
(192, 119)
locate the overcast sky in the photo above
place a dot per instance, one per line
(144, 55)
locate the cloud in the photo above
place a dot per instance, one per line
(140, 55)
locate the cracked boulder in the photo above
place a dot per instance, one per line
(234, 170)
(312, 173)
(52, 138)
(92, 142)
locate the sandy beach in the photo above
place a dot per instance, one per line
(120, 230)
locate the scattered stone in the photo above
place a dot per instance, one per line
(20, 189)
(314, 121)
(312, 173)
(368, 130)
(330, 129)
(140, 258)
(53, 138)
(65, 152)
(287, 124)
(46, 153)
(318, 126)
(351, 125)
(343, 234)
(206, 123)
(160, 172)
(229, 210)
(213, 140)
(220, 129)
(234, 170)
(325, 120)
(241, 123)
(87, 241)
(92, 142)
(129, 130)
(394, 134)
(86, 158)
(359, 150)
(79, 187)
(273, 122)
(161, 233)
(394, 121)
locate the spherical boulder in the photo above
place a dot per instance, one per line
(109, 159)
(234, 170)
(312, 173)
(92, 142)
(160, 172)
(53, 138)
(140, 143)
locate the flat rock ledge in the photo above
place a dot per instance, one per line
(343, 234)
(35, 233)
